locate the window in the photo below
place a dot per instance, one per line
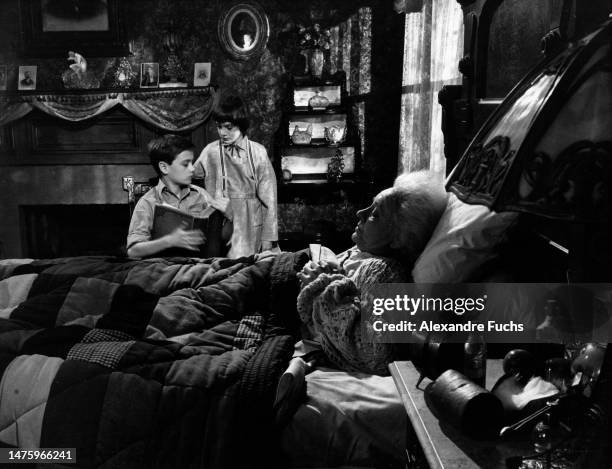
(433, 45)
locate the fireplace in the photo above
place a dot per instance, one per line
(74, 230)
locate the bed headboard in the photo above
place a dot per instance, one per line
(503, 40)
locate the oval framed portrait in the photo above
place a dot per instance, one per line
(243, 30)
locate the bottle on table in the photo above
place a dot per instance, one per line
(475, 359)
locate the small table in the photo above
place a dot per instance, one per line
(444, 446)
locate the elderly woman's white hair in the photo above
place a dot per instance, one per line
(415, 204)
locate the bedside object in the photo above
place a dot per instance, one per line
(464, 404)
(441, 445)
(301, 137)
(318, 102)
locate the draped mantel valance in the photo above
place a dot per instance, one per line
(170, 110)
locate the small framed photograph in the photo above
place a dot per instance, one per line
(201, 74)
(27, 77)
(3, 77)
(149, 75)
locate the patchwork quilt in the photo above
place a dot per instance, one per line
(151, 363)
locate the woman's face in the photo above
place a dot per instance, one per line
(229, 132)
(373, 232)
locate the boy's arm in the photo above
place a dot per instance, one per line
(147, 248)
(141, 224)
(179, 238)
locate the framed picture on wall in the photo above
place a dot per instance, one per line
(3, 77)
(27, 77)
(149, 75)
(50, 28)
(201, 74)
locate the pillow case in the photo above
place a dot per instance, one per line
(465, 238)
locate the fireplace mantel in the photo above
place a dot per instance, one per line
(172, 110)
(69, 149)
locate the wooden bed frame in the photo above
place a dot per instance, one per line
(503, 40)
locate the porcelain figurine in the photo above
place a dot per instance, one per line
(335, 134)
(318, 101)
(78, 76)
(302, 136)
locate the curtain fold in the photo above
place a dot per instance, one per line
(75, 111)
(171, 111)
(10, 112)
(433, 45)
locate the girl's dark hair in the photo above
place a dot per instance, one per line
(231, 108)
(167, 148)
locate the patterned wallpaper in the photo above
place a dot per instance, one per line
(262, 81)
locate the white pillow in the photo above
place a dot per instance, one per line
(463, 241)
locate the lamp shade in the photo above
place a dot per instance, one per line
(547, 148)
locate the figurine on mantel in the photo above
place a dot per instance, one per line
(77, 77)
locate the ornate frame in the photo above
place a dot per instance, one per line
(226, 29)
(35, 42)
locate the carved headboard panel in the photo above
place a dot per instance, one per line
(504, 39)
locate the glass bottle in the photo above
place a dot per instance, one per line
(547, 331)
(475, 358)
(541, 436)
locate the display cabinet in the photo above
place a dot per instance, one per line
(318, 165)
(317, 142)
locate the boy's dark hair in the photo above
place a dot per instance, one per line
(231, 108)
(166, 148)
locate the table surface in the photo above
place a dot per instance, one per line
(443, 445)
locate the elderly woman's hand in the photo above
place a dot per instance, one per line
(313, 269)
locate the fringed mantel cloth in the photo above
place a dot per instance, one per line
(169, 110)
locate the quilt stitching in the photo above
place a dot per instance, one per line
(249, 332)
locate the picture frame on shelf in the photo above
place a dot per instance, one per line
(3, 77)
(201, 74)
(49, 28)
(26, 80)
(149, 75)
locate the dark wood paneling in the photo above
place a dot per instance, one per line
(515, 30)
(502, 42)
(108, 135)
(74, 230)
(7, 146)
(113, 138)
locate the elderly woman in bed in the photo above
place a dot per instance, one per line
(390, 235)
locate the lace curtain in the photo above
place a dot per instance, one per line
(433, 45)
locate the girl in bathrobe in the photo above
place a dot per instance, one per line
(238, 171)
